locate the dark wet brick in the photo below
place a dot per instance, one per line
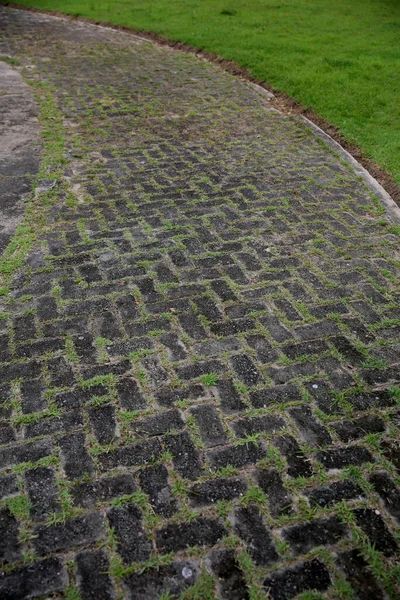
(343, 457)
(359, 575)
(154, 481)
(222, 289)
(42, 492)
(279, 500)
(326, 495)
(298, 463)
(230, 399)
(317, 330)
(37, 579)
(285, 307)
(87, 494)
(231, 581)
(103, 423)
(132, 542)
(32, 452)
(287, 583)
(264, 424)
(207, 307)
(153, 583)
(50, 425)
(375, 528)
(60, 537)
(186, 458)
(192, 326)
(388, 491)
(75, 459)
(60, 372)
(168, 396)
(127, 456)
(249, 526)
(236, 456)
(78, 397)
(318, 532)
(310, 429)
(294, 351)
(159, 423)
(375, 399)
(7, 433)
(215, 490)
(92, 578)
(10, 548)
(265, 352)
(129, 394)
(199, 532)
(8, 485)
(359, 428)
(225, 328)
(245, 369)
(277, 394)
(210, 425)
(275, 328)
(201, 368)
(347, 350)
(176, 349)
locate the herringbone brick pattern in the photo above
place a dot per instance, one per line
(200, 362)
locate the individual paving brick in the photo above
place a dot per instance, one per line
(298, 464)
(359, 575)
(127, 307)
(109, 326)
(245, 369)
(376, 399)
(236, 456)
(264, 424)
(192, 326)
(186, 458)
(243, 309)
(129, 395)
(324, 397)
(42, 492)
(207, 307)
(24, 328)
(159, 581)
(147, 289)
(389, 493)
(366, 311)
(249, 526)
(343, 457)
(317, 330)
(222, 289)
(8, 486)
(31, 452)
(201, 368)
(285, 374)
(38, 348)
(250, 262)
(90, 273)
(354, 430)
(277, 394)
(85, 348)
(231, 581)
(119, 368)
(294, 351)
(60, 372)
(50, 425)
(31, 581)
(199, 532)
(168, 396)
(7, 433)
(92, 578)
(226, 328)
(230, 400)
(137, 454)
(154, 481)
(358, 329)
(26, 370)
(102, 421)
(346, 349)
(214, 490)
(215, 347)
(138, 329)
(87, 494)
(210, 425)
(318, 532)
(276, 329)
(78, 397)
(375, 528)
(46, 308)
(160, 423)
(176, 349)
(10, 549)
(125, 348)
(133, 544)
(287, 309)
(310, 429)
(157, 375)
(326, 495)
(265, 352)
(279, 500)
(75, 459)
(391, 451)
(287, 583)
(59, 537)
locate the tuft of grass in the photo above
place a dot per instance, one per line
(10, 60)
(209, 379)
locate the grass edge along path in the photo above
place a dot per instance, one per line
(344, 79)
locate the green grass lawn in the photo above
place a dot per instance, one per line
(340, 58)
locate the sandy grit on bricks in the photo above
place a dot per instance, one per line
(199, 356)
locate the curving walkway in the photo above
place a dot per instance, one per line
(199, 361)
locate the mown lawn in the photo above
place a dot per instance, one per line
(339, 57)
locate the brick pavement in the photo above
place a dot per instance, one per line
(200, 359)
